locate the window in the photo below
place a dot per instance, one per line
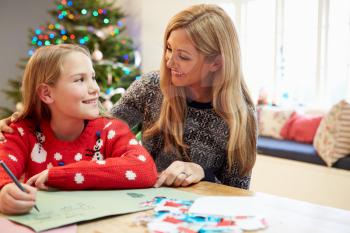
(258, 49)
(338, 51)
(298, 51)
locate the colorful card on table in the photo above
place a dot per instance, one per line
(174, 216)
(61, 208)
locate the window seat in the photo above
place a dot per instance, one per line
(295, 151)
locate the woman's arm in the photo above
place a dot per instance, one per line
(232, 178)
(4, 127)
(180, 173)
(130, 107)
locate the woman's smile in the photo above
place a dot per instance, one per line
(177, 73)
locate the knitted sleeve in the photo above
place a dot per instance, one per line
(127, 164)
(131, 106)
(14, 152)
(232, 178)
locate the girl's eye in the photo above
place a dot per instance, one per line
(81, 79)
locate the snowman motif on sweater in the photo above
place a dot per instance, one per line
(38, 153)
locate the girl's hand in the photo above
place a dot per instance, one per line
(39, 180)
(15, 201)
(4, 124)
(180, 173)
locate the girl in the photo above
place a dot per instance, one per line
(61, 141)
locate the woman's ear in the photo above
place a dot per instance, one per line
(44, 93)
(216, 64)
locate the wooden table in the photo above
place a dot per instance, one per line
(283, 215)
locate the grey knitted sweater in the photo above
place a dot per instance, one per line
(205, 133)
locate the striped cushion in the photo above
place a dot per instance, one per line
(332, 139)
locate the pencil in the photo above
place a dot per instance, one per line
(15, 180)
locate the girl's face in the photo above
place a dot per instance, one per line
(75, 95)
(188, 66)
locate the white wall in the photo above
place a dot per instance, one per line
(147, 22)
(16, 18)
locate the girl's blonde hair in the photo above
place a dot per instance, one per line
(45, 66)
(213, 33)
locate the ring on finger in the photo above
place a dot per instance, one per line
(187, 175)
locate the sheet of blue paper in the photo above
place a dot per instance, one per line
(65, 207)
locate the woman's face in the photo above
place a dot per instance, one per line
(188, 66)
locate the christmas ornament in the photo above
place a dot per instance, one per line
(107, 104)
(97, 55)
(19, 106)
(137, 55)
(110, 92)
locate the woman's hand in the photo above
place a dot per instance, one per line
(4, 124)
(180, 173)
(15, 201)
(39, 180)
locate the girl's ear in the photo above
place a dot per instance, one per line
(44, 93)
(216, 64)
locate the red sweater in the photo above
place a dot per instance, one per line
(105, 156)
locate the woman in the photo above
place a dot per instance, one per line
(198, 120)
(197, 116)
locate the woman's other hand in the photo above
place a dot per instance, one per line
(180, 173)
(4, 124)
(15, 201)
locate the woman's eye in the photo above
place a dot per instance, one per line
(184, 58)
(167, 54)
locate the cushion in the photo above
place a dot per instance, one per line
(343, 163)
(271, 120)
(301, 128)
(332, 139)
(288, 150)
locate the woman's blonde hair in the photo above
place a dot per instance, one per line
(213, 33)
(45, 66)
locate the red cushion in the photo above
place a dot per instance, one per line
(301, 128)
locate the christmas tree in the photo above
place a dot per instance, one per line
(99, 26)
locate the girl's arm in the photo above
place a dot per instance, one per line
(127, 165)
(14, 151)
(15, 201)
